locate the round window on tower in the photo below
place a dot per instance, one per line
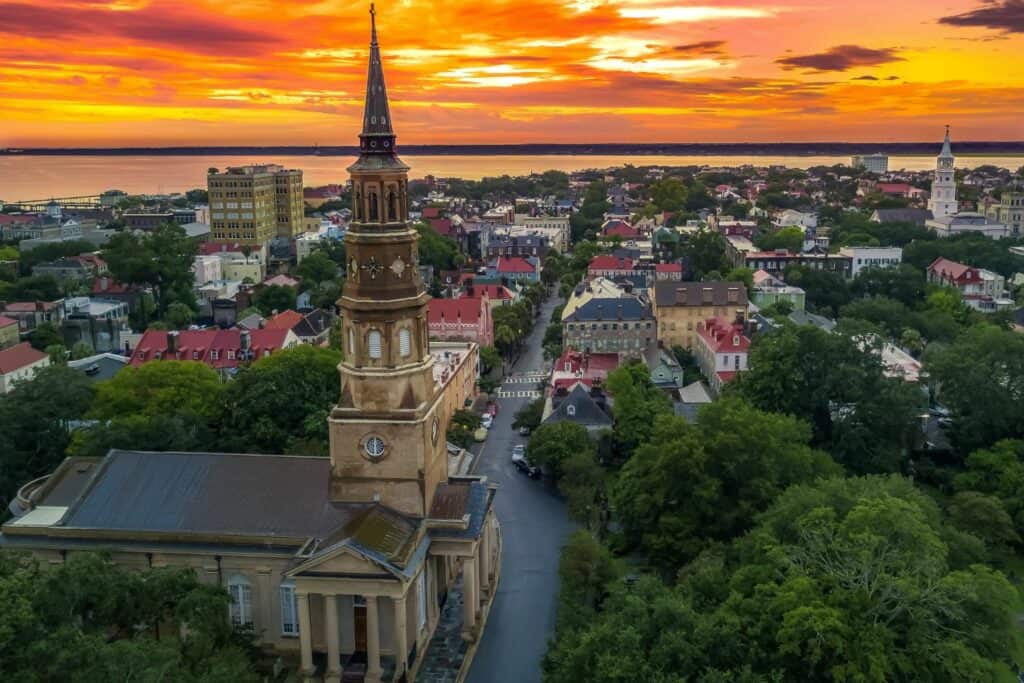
(374, 447)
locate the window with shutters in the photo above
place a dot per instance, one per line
(373, 343)
(404, 342)
(241, 601)
(289, 610)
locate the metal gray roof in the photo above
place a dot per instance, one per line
(214, 493)
(621, 308)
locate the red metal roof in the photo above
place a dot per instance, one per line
(466, 310)
(442, 226)
(18, 357)
(953, 270)
(721, 336)
(514, 264)
(431, 212)
(608, 262)
(492, 291)
(668, 268)
(210, 248)
(285, 320)
(200, 345)
(5, 321)
(622, 230)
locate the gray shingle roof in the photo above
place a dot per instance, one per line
(669, 293)
(580, 408)
(622, 308)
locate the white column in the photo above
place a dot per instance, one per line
(333, 639)
(372, 640)
(305, 635)
(401, 637)
(481, 553)
(469, 596)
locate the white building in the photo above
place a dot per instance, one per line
(872, 257)
(943, 200)
(206, 268)
(967, 221)
(18, 363)
(794, 218)
(875, 163)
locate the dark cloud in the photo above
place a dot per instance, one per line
(705, 47)
(159, 23)
(841, 58)
(1001, 15)
(866, 78)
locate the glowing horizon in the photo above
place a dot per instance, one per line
(88, 73)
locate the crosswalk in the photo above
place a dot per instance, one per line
(530, 378)
(511, 393)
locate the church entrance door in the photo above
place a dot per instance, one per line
(360, 627)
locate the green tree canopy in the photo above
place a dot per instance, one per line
(316, 268)
(691, 485)
(274, 298)
(89, 620)
(637, 404)
(280, 403)
(160, 259)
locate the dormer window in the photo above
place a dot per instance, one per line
(570, 410)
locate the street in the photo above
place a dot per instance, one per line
(534, 527)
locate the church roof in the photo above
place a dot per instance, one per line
(946, 152)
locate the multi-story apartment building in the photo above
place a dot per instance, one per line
(623, 325)
(875, 163)
(1009, 211)
(872, 257)
(721, 351)
(680, 307)
(251, 205)
(980, 289)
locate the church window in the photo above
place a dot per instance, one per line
(392, 206)
(351, 341)
(374, 208)
(373, 343)
(404, 342)
(289, 610)
(241, 600)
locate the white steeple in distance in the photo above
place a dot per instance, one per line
(943, 199)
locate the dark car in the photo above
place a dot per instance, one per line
(524, 466)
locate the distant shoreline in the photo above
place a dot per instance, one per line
(965, 148)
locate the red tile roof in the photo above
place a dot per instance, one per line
(622, 230)
(5, 321)
(493, 291)
(431, 212)
(18, 357)
(893, 188)
(281, 280)
(285, 320)
(467, 310)
(20, 219)
(106, 285)
(200, 345)
(514, 264)
(668, 268)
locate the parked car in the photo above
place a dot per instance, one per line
(939, 411)
(524, 431)
(486, 421)
(945, 422)
(523, 464)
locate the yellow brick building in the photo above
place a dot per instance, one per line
(680, 306)
(253, 204)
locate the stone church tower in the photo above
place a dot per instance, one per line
(943, 199)
(387, 443)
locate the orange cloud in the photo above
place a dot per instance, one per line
(279, 72)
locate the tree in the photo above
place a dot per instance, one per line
(529, 415)
(837, 382)
(705, 252)
(826, 291)
(179, 315)
(280, 403)
(435, 250)
(274, 298)
(158, 406)
(36, 288)
(980, 378)
(904, 283)
(585, 570)
(841, 579)
(551, 445)
(790, 238)
(742, 274)
(317, 268)
(490, 359)
(160, 259)
(637, 404)
(38, 413)
(100, 622)
(997, 472)
(82, 349)
(691, 485)
(58, 354)
(46, 335)
(462, 426)
(552, 341)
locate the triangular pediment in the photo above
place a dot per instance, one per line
(341, 559)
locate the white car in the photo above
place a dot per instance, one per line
(487, 421)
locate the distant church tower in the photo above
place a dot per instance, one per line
(386, 440)
(943, 199)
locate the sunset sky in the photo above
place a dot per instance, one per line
(291, 72)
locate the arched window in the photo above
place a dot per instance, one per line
(373, 343)
(351, 342)
(358, 206)
(240, 591)
(289, 609)
(392, 206)
(404, 342)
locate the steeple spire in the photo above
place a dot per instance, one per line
(377, 136)
(946, 152)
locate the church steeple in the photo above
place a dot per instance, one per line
(377, 136)
(947, 152)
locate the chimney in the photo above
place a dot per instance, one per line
(172, 341)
